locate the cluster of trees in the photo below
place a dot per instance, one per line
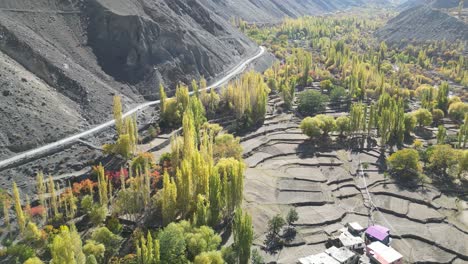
(247, 99)
(202, 182)
(439, 161)
(127, 133)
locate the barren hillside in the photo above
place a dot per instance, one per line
(421, 23)
(61, 61)
(274, 10)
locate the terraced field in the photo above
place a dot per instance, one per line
(286, 170)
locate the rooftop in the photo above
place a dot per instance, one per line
(382, 252)
(321, 258)
(378, 232)
(356, 226)
(347, 239)
(341, 254)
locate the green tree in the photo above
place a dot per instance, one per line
(227, 146)
(423, 117)
(243, 235)
(117, 109)
(212, 257)
(19, 209)
(410, 123)
(327, 124)
(310, 126)
(169, 199)
(201, 214)
(441, 158)
(231, 172)
(338, 94)
(292, 216)
(343, 125)
(41, 190)
(34, 260)
(311, 102)
(442, 97)
(172, 244)
(66, 247)
(441, 134)
(95, 249)
(275, 224)
(404, 163)
(148, 250)
(326, 85)
(215, 199)
(102, 185)
(457, 111)
(257, 258)
(110, 240)
(437, 116)
(199, 240)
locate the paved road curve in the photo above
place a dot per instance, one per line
(34, 152)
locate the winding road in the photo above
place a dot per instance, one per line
(55, 145)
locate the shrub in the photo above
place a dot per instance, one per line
(404, 163)
(311, 127)
(311, 102)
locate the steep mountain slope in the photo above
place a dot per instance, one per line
(432, 3)
(61, 61)
(421, 23)
(274, 10)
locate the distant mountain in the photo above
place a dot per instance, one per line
(275, 10)
(421, 23)
(431, 3)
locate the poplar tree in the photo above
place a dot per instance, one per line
(163, 98)
(102, 185)
(184, 187)
(67, 248)
(53, 196)
(148, 250)
(442, 97)
(215, 199)
(169, 199)
(201, 214)
(41, 190)
(117, 109)
(18, 209)
(232, 173)
(243, 235)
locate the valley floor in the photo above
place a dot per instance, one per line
(286, 170)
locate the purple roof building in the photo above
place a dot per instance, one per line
(377, 233)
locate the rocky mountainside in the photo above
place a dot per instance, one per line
(61, 61)
(432, 3)
(267, 11)
(421, 23)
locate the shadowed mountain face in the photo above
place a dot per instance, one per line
(421, 23)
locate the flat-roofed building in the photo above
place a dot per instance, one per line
(382, 254)
(355, 228)
(350, 241)
(321, 258)
(377, 233)
(342, 255)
